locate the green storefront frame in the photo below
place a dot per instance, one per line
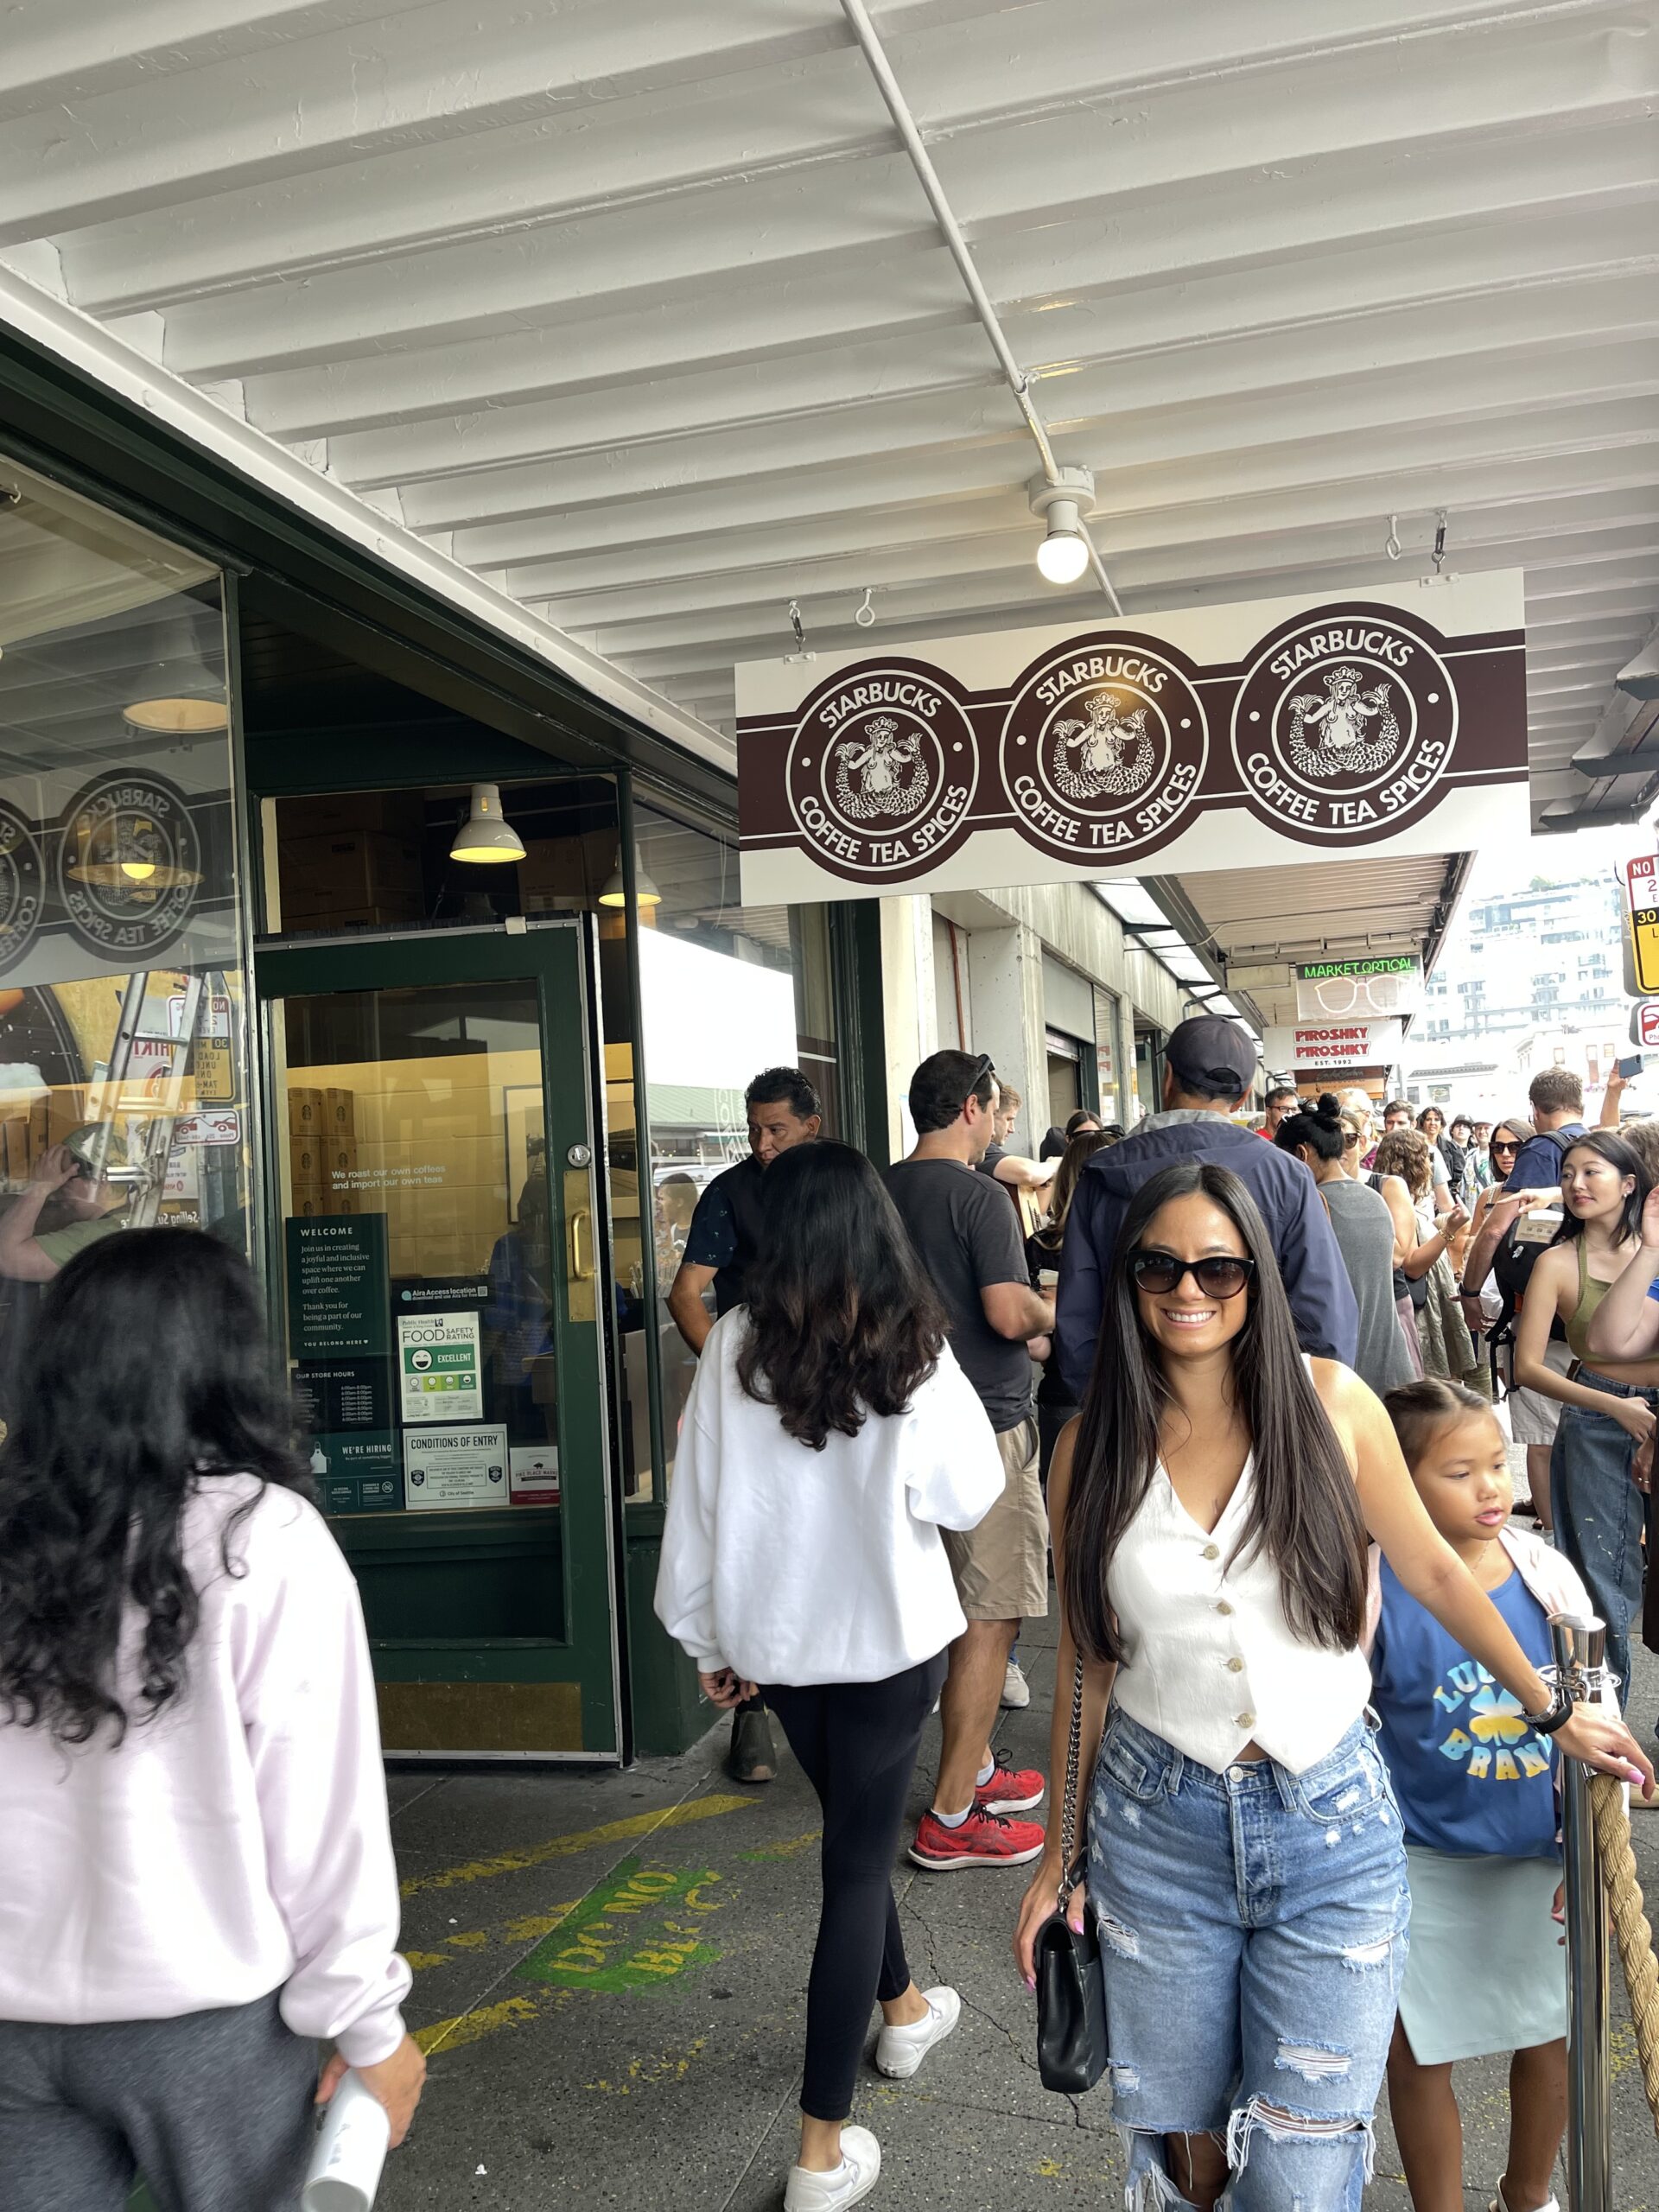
(409, 1564)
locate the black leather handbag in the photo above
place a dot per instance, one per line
(1071, 1995)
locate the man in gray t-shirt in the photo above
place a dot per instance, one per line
(968, 1238)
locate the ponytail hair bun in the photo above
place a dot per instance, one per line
(1329, 1105)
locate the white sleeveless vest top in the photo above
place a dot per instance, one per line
(1211, 1663)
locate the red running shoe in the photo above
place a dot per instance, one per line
(1010, 1789)
(983, 1840)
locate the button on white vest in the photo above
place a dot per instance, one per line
(1211, 1661)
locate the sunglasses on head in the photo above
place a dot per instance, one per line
(1219, 1276)
(986, 1066)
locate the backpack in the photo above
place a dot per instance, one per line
(1518, 1256)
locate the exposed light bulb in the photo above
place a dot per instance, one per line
(139, 871)
(1062, 557)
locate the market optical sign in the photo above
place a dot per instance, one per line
(1210, 737)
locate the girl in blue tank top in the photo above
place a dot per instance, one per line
(1476, 1788)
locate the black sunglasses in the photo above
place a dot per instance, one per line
(1505, 1144)
(986, 1067)
(1221, 1276)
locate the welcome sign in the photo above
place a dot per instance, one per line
(1216, 737)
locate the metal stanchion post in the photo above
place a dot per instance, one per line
(1580, 1647)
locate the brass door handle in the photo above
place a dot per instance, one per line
(581, 1226)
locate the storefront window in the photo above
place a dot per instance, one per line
(123, 1088)
(726, 990)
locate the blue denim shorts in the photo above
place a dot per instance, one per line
(1253, 1936)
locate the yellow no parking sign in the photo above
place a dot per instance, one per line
(1641, 883)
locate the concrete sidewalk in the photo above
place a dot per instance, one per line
(610, 1974)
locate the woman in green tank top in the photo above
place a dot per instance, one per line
(1602, 1458)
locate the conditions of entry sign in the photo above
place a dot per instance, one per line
(1218, 737)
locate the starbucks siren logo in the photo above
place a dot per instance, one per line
(882, 771)
(1103, 747)
(20, 877)
(129, 865)
(1344, 724)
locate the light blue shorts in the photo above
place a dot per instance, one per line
(1253, 1933)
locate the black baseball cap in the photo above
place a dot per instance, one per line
(1213, 1057)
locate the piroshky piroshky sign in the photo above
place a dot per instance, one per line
(1214, 737)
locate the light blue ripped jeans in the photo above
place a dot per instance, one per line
(1253, 1936)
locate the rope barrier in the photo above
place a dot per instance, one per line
(1630, 1928)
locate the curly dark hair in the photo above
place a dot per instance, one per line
(148, 1375)
(843, 1321)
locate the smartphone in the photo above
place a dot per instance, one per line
(1632, 1066)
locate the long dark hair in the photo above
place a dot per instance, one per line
(843, 1321)
(1621, 1156)
(148, 1373)
(1304, 1510)
(1079, 1151)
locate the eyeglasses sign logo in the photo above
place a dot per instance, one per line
(882, 770)
(21, 876)
(129, 865)
(1103, 747)
(1344, 725)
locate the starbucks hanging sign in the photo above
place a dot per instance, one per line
(1394, 722)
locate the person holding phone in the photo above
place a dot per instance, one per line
(1601, 1459)
(77, 1174)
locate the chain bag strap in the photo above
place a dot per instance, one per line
(1070, 1993)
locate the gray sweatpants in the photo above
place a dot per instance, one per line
(214, 2108)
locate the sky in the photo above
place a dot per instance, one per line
(1506, 866)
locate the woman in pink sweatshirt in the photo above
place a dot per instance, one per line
(198, 1884)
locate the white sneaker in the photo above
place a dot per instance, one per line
(900, 2051)
(851, 2182)
(1016, 1690)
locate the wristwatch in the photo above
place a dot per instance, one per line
(1556, 1713)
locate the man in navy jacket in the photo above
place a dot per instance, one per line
(1209, 1068)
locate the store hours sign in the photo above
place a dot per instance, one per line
(1210, 737)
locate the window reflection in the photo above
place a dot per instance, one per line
(123, 1063)
(725, 991)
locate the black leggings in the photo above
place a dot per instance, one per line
(856, 1743)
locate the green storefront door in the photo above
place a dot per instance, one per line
(440, 1236)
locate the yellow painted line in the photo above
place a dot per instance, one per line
(468, 2027)
(568, 1847)
(532, 1926)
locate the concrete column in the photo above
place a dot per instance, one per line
(1007, 969)
(910, 1022)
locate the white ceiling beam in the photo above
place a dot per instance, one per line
(810, 110)
(1307, 176)
(1336, 520)
(1510, 330)
(56, 56)
(904, 298)
(295, 106)
(1385, 459)
(1082, 418)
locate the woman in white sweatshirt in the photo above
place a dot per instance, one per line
(829, 1437)
(198, 1884)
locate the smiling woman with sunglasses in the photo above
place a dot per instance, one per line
(1210, 1509)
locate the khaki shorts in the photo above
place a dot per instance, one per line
(1533, 1417)
(1001, 1566)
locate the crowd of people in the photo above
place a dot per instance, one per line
(1227, 1388)
(1220, 1396)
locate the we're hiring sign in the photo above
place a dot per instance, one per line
(1392, 721)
